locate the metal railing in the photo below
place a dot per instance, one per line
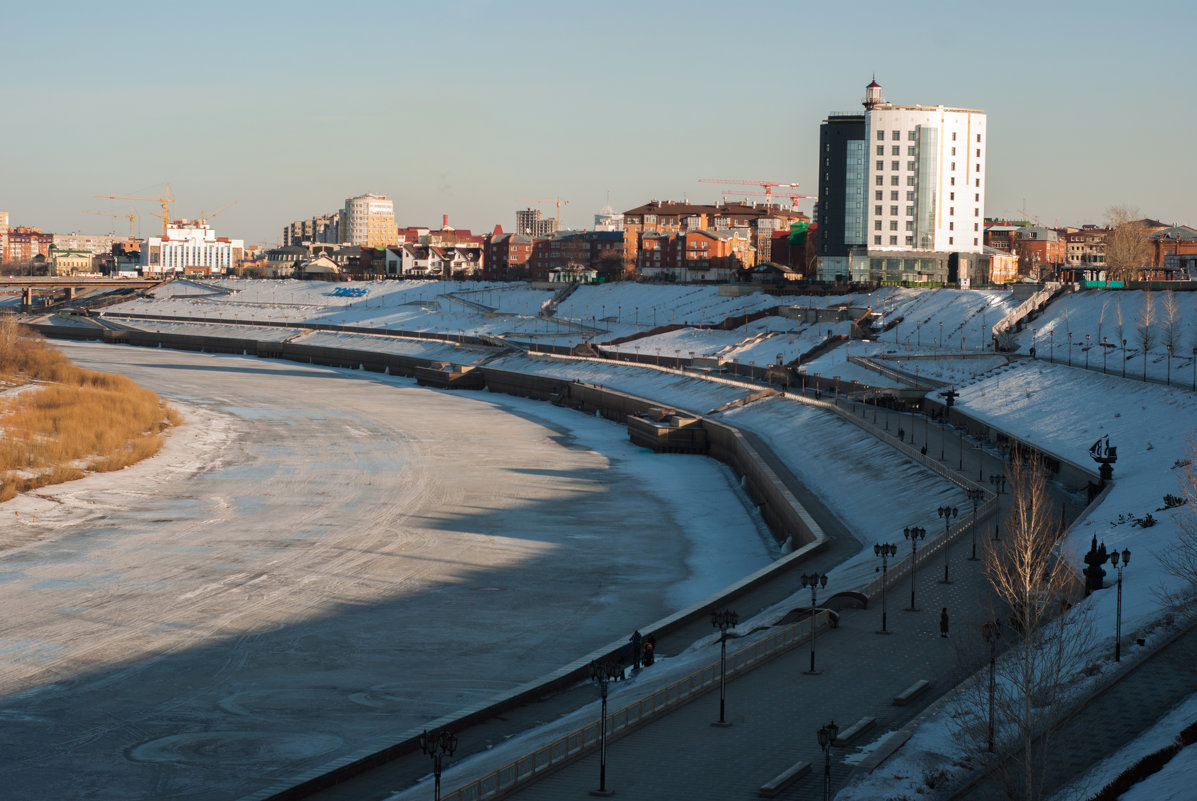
(584, 740)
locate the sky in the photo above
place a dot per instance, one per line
(470, 107)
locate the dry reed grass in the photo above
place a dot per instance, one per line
(74, 422)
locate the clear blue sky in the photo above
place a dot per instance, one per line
(465, 107)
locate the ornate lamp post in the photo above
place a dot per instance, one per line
(1070, 349)
(998, 480)
(814, 581)
(602, 673)
(1034, 334)
(1124, 358)
(1051, 338)
(724, 620)
(827, 735)
(947, 513)
(913, 534)
(1086, 351)
(438, 745)
(885, 550)
(992, 632)
(975, 495)
(1118, 619)
(1168, 382)
(1105, 352)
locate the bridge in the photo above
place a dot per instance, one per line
(58, 288)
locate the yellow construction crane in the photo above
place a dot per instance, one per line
(557, 200)
(203, 219)
(132, 217)
(165, 199)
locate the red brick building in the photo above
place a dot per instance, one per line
(506, 255)
(25, 244)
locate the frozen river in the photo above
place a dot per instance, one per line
(322, 559)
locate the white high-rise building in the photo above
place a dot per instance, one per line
(923, 193)
(369, 220)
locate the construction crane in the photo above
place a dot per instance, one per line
(767, 185)
(793, 196)
(203, 219)
(132, 216)
(558, 201)
(166, 198)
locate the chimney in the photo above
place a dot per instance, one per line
(444, 221)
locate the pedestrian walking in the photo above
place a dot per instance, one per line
(943, 622)
(637, 648)
(901, 435)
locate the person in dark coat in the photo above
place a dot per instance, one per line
(943, 622)
(637, 648)
(901, 435)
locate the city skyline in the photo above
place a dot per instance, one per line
(465, 109)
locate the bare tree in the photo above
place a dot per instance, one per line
(1120, 327)
(1127, 248)
(1171, 321)
(1145, 327)
(1047, 638)
(1101, 319)
(1180, 558)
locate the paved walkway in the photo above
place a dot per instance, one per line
(777, 709)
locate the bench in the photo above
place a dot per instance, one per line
(904, 697)
(783, 780)
(847, 735)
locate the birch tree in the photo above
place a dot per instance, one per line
(1145, 327)
(1126, 245)
(1046, 639)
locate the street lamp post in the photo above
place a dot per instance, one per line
(975, 495)
(1105, 352)
(1118, 616)
(913, 534)
(1168, 382)
(1051, 339)
(1070, 349)
(724, 620)
(1086, 351)
(814, 581)
(885, 550)
(1034, 334)
(947, 513)
(827, 735)
(992, 631)
(1124, 358)
(603, 673)
(1195, 368)
(438, 745)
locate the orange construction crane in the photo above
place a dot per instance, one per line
(132, 216)
(768, 185)
(793, 196)
(165, 199)
(558, 201)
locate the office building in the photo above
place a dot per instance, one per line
(902, 193)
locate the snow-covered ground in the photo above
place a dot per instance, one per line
(1064, 410)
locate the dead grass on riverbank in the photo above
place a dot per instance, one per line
(59, 422)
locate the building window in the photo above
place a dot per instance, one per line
(877, 195)
(893, 225)
(978, 168)
(910, 195)
(895, 135)
(879, 180)
(893, 240)
(976, 212)
(910, 225)
(876, 225)
(910, 166)
(951, 226)
(894, 165)
(880, 165)
(910, 211)
(893, 180)
(949, 240)
(880, 135)
(892, 196)
(910, 135)
(978, 152)
(893, 210)
(910, 150)
(951, 211)
(953, 136)
(977, 197)
(910, 240)
(974, 240)
(876, 240)
(978, 183)
(953, 182)
(877, 210)
(976, 226)
(880, 150)
(953, 166)
(896, 150)
(978, 137)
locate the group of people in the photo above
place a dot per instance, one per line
(639, 650)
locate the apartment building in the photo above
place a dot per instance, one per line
(506, 255)
(760, 223)
(696, 255)
(3, 236)
(324, 229)
(369, 220)
(24, 244)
